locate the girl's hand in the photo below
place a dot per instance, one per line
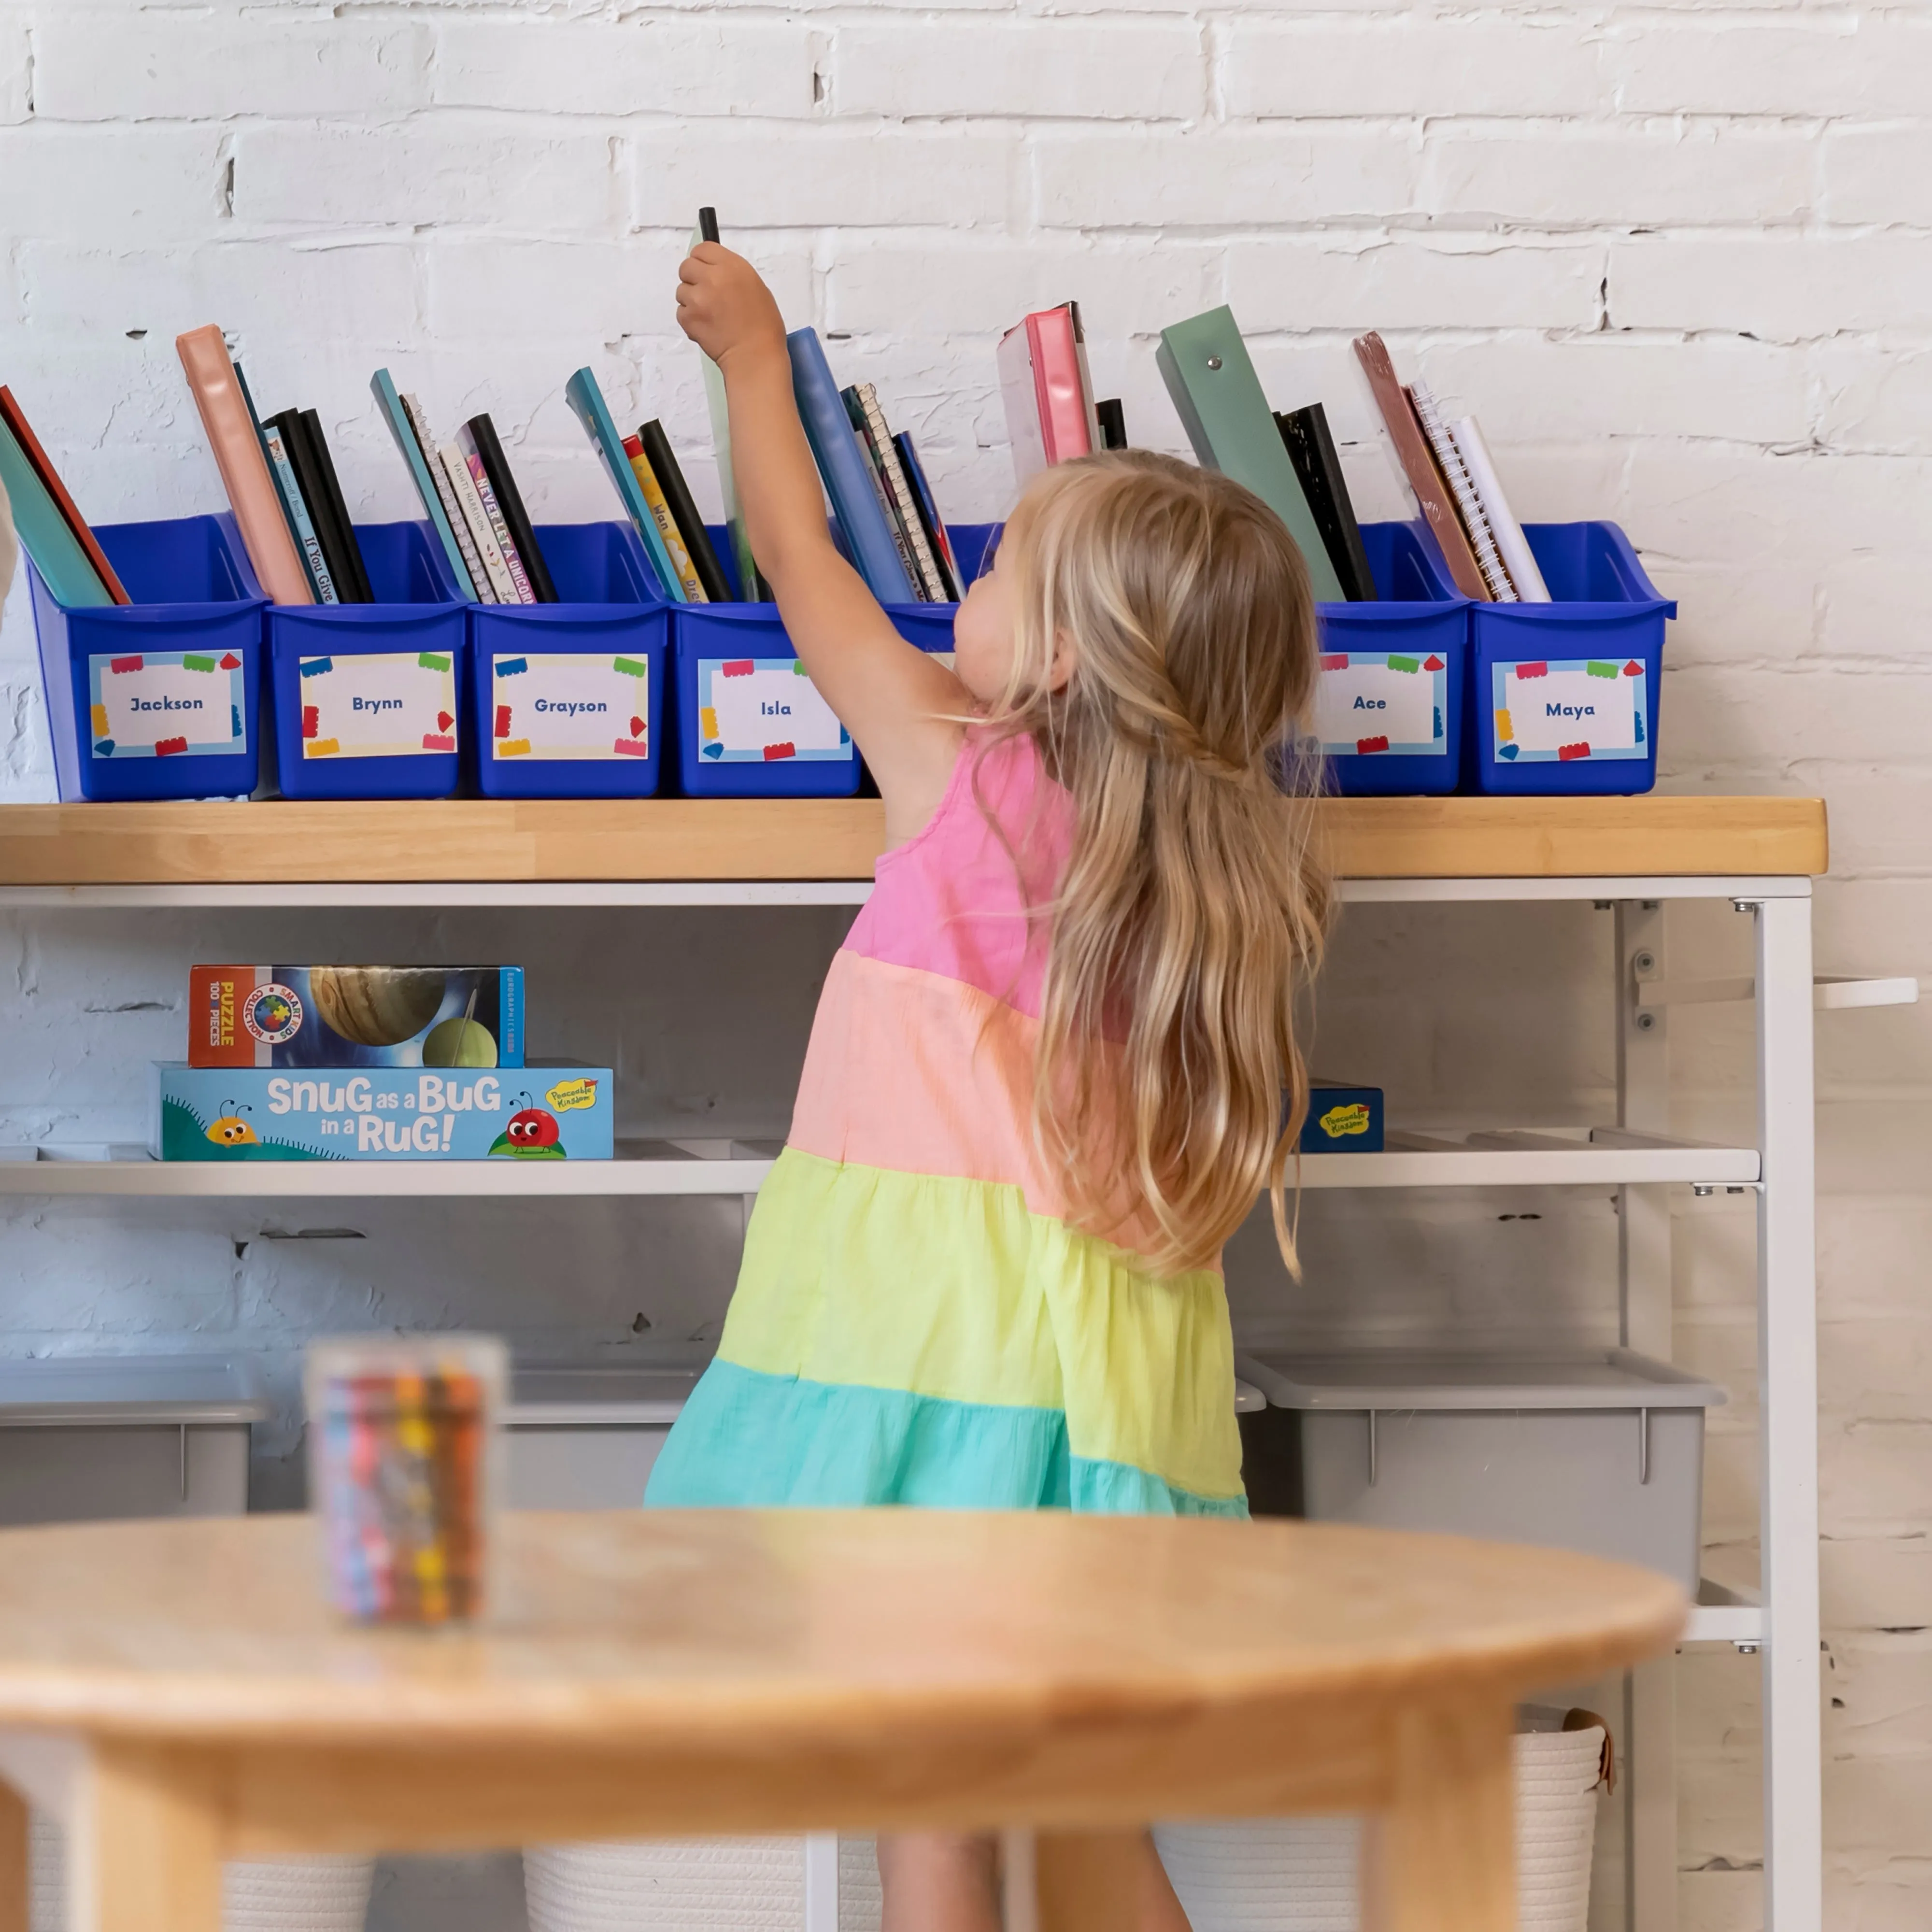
(724, 306)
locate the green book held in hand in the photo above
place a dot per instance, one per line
(1204, 364)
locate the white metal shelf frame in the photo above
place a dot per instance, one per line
(1780, 1170)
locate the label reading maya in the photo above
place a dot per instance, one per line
(754, 710)
(387, 704)
(1561, 712)
(1369, 702)
(162, 704)
(569, 705)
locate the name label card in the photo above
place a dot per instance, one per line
(383, 704)
(1562, 711)
(1368, 703)
(759, 710)
(569, 705)
(160, 704)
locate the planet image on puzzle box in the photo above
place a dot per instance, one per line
(459, 1041)
(375, 1006)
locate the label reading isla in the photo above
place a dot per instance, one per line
(161, 704)
(1562, 712)
(386, 704)
(752, 710)
(1369, 702)
(559, 705)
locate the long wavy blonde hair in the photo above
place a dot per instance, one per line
(1192, 907)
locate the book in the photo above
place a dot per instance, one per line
(586, 402)
(480, 585)
(895, 522)
(1113, 421)
(45, 534)
(664, 466)
(16, 420)
(1469, 510)
(1218, 396)
(1518, 558)
(456, 466)
(414, 454)
(929, 512)
(847, 474)
(654, 495)
(1412, 450)
(325, 466)
(898, 487)
(1047, 391)
(755, 589)
(1312, 450)
(292, 430)
(510, 501)
(252, 494)
(301, 526)
(506, 548)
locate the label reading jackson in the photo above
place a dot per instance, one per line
(1565, 711)
(591, 704)
(385, 704)
(161, 704)
(762, 710)
(1371, 702)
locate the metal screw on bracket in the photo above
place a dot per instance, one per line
(1746, 1647)
(1645, 961)
(1703, 1189)
(1646, 1020)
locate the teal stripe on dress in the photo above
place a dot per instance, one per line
(751, 1440)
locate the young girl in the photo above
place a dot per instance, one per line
(1047, 1079)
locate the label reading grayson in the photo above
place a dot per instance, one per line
(161, 704)
(754, 710)
(384, 704)
(569, 705)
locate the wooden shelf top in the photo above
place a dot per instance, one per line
(280, 841)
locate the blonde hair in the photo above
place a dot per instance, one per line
(1191, 908)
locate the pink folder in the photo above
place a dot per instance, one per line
(1047, 393)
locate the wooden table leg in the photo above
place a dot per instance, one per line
(1442, 1857)
(145, 1849)
(15, 1879)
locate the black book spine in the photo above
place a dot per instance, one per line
(1312, 450)
(325, 465)
(684, 512)
(315, 497)
(1113, 423)
(509, 500)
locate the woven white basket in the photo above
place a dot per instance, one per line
(1298, 1874)
(312, 1894)
(692, 1884)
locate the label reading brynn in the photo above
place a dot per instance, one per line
(384, 704)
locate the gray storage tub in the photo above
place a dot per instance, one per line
(585, 1438)
(90, 1438)
(1599, 1450)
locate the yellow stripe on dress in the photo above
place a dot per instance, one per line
(950, 1289)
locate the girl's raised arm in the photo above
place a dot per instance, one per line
(901, 706)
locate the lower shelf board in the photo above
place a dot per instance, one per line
(1572, 1158)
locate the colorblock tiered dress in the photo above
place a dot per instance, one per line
(915, 1321)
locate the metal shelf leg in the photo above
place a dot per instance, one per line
(1788, 1424)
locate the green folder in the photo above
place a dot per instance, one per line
(66, 570)
(1204, 364)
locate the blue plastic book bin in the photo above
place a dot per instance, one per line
(1564, 696)
(930, 625)
(161, 697)
(1394, 676)
(366, 696)
(568, 700)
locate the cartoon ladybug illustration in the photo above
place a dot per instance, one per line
(231, 1130)
(532, 1134)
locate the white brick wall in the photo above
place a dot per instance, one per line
(1679, 258)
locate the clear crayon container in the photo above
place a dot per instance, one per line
(403, 1460)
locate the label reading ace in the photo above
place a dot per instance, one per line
(1369, 702)
(569, 705)
(379, 704)
(160, 704)
(1560, 712)
(753, 710)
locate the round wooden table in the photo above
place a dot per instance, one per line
(178, 1694)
